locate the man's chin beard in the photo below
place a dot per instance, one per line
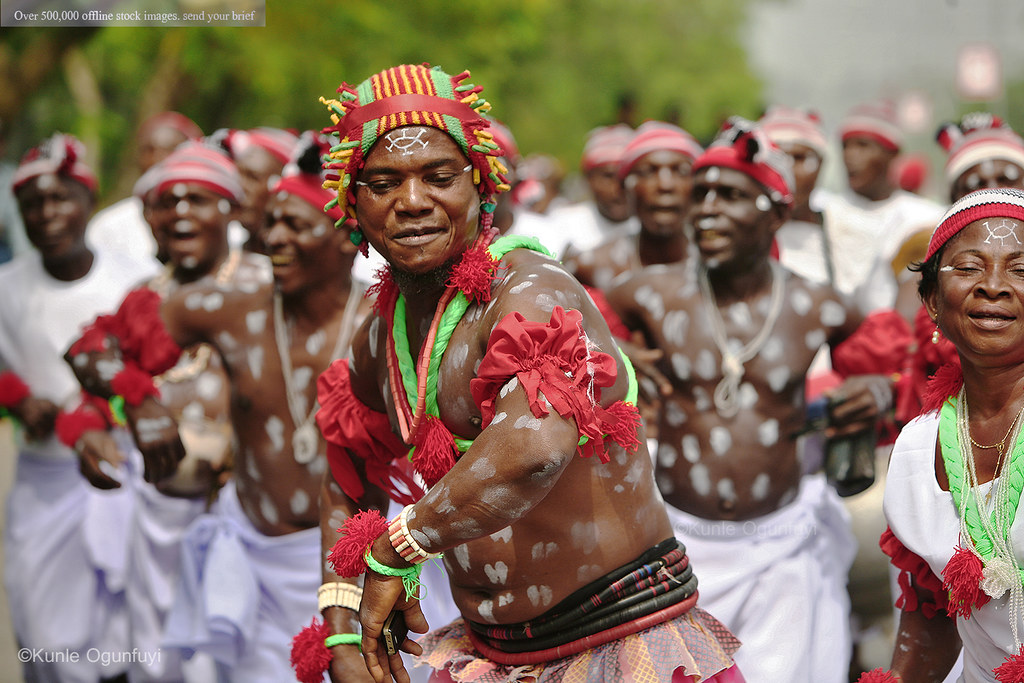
(424, 283)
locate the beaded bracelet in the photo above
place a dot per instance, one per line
(344, 639)
(338, 594)
(403, 542)
(410, 575)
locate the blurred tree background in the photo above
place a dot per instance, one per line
(552, 69)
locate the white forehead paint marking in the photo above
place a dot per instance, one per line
(1003, 230)
(299, 502)
(675, 416)
(712, 175)
(759, 489)
(179, 190)
(208, 386)
(268, 510)
(946, 269)
(762, 203)
(801, 301)
(194, 301)
(667, 455)
(772, 349)
(706, 366)
(674, 327)
(406, 142)
(520, 287)
(224, 206)
(814, 339)
(701, 399)
(720, 439)
(539, 596)
(778, 377)
(651, 301)
(499, 417)
(681, 366)
(461, 553)
(254, 357)
(691, 448)
(107, 368)
(832, 313)
(182, 207)
(319, 230)
(483, 468)
(316, 341)
(726, 489)
(275, 430)
(740, 314)
(505, 535)
(497, 573)
(46, 181)
(768, 432)
(256, 321)
(700, 480)
(213, 302)
(748, 396)
(1012, 172)
(509, 386)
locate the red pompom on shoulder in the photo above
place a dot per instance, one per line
(310, 656)
(435, 452)
(878, 675)
(962, 578)
(1012, 668)
(357, 534)
(473, 274)
(383, 291)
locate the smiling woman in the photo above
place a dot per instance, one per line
(954, 482)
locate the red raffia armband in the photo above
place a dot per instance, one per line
(133, 384)
(310, 656)
(554, 360)
(878, 675)
(70, 426)
(911, 565)
(12, 390)
(350, 428)
(142, 335)
(357, 534)
(1012, 668)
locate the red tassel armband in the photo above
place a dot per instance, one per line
(311, 650)
(12, 390)
(70, 426)
(357, 535)
(133, 385)
(878, 676)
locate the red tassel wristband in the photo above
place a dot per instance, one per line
(357, 535)
(12, 390)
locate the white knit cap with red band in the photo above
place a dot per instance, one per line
(605, 145)
(278, 142)
(979, 137)
(298, 178)
(742, 145)
(193, 162)
(656, 136)
(989, 203)
(876, 120)
(60, 155)
(789, 125)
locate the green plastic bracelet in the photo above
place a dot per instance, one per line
(344, 639)
(410, 575)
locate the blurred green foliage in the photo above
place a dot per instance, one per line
(552, 69)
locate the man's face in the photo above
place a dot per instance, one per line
(190, 224)
(55, 210)
(990, 173)
(806, 166)
(867, 166)
(304, 247)
(155, 144)
(733, 225)
(661, 188)
(259, 171)
(608, 191)
(415, 199)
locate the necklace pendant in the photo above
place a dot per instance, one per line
(997, 577)
(304, 443)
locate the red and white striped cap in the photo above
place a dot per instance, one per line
(655, 136)
(790, 125)
(875, 120)
(60, 155)
(605, 145)
(978, 137)
(988, 203)
(193, 162)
